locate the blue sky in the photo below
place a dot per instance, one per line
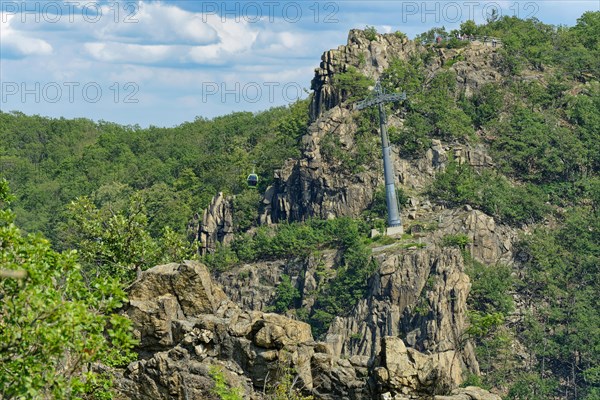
(165, 62)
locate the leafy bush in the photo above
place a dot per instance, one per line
(221, 388)
(560, 276)
(371, 33)
(245, 210)
(491, 287)
(439, 114)
(286, 294)
(400, 35)
(468, 27)
(401, 75)
(378, 207)
(363, 152)
(344, 291)
(459, 184)
(353, 85)
(535, 147)
(222, 259)
(459, 240)
(485, 105)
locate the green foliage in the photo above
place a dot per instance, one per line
(413, 140)
(480, 324)
(577, 50)
(222, 259)
(51, 162)
(370, 33)
(490, 302)
(460, 184)
(532, 387)
(401, 75)
(491, 287)
(561, 277)
(221, 388)
(525, 43)
(286, 294)
(468, 27)
(485, 105)
(364, 150)
(473, 380)
(455, 59)
(430, 36)
(291, 240)
(338, 293)
(432, 110)
(115, 240)
(400, 35)
(348, 286)
(245, 210)
(54, 323)
(353, 85)
(378, 207)
(537, 148)
(459, 240)
(437, 112)
(284, 388)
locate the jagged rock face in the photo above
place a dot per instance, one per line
(313, 187)
(407, 284)
(490, 243)
(416, 299)
(369, 57)
(252, 286)
(187, 325)
(217, 224)
(316, 187)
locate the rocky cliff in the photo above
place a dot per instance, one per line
(188, 329)
(406, 339)
(314, 186)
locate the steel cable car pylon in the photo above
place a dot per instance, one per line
(379, 99)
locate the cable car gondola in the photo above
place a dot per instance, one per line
(252, 179)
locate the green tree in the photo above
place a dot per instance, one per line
(53, 324)
(371, 33)
(352, 85)
(468, 27)
(286, 294)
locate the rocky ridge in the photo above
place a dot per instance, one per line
(406, 339)
(313, 186)
(187, 326)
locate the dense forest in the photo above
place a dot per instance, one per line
(121, 197)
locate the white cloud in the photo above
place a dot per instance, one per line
(18, 43)
(173, 50)
(112, 52)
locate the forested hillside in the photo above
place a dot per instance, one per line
(50, 162)
(123, 198)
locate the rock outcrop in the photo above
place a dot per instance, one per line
(217, 224)
(420, 296)
(405, 339)
(315, 186)
(186, 325)
(188, 329)
(370, 57)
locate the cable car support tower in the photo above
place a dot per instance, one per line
(379, 99)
